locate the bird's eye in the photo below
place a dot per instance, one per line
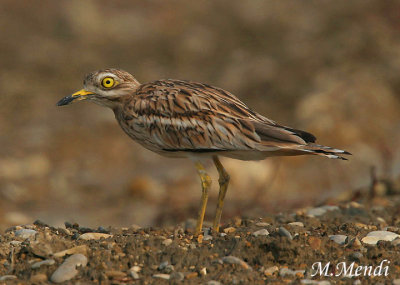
(108, 82)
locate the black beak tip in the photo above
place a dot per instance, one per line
(65, 101)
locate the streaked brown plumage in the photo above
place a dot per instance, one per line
(179, 118)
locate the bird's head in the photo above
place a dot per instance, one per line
(104, 87)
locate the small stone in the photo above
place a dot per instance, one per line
(271, 270)
(222, 234)
(38, 278)
(339, 239)
(396, 241)
(162, 276)
(314, 282)
(115, 274)
(262, 224)
(7, 277)
(203, 271)
(167, 242)
(135, 268)
(44, 262)
(26, 233)
(213, 282)
(162, 265)
(285, 272)
(356, 256)
(234, 260)
(375, 236)
(314, 242)
(357, 282)
(396, 282)
(207, 237)
(354, 243)
(68, 269)
(177, 276)
(15, 242)
(285, 233)
(134, 275)
(296, 224)
(191, 275)
(229, 230)
(94, 236)
(263, 232)
(319, 211)
(77, 249)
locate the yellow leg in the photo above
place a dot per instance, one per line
(205, 185)
(223, 187)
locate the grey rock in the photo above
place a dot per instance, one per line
(44, 262)
(263, 232)
(297, 224)
(213, 282)
(234, 260)
(68, 269)
(162, 276)
(167, 242)
(262, 224)
(339, 239)
(177, 276)
(319, 211)
(26, 233)
(375, 236)
(396, 282)
(285, 233)
(134, 275)
(162, 265)
(314, 282)
(288, 272)
(207, 237)
(8, 277)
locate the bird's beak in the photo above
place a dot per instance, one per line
(77, 96)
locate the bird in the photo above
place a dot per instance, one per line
(187, 119)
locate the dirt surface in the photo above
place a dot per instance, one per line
(278, 248)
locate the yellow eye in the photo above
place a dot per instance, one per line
(108, 82)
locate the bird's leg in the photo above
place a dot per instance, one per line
(223, 186)
(205, 185)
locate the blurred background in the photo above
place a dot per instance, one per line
(329, 67)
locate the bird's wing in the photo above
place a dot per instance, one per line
(189, 116)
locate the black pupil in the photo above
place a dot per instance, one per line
(108, 82)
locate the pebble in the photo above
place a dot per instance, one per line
(38, 278)
(15, 242)
(177, 276)
(162, 265)
(262, 224)
(229, 230)
(213, 282)
(134, 275)
(8, 277)
(207, 237)
(26, 233)
(167, 242)
(94, 236)
(315, 282)
(396, 241)
(162, 276)
(396, 282)
(44, 262)
(286, 271)
(263, 232)
(319, 211)
(203, 271)
(339, 239)
(297, 224)
(375, 236)
(77, 249)
(271, 270)
(115, 274)
(234, 260)
(285, 233)
(67, 270)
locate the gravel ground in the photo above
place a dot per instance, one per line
(278, 248)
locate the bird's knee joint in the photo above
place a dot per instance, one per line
(224, 179)
(206, 181)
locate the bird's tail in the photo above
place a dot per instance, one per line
(326, 151)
